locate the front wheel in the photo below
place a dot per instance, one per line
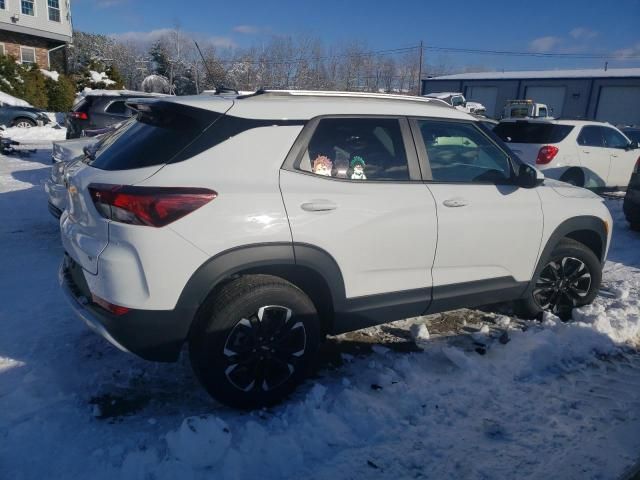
(255, 342)
(568, 278)
(24, 123)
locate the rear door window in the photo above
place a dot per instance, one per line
(532, 132)
(159, 135)
(357, 149)
(591, 136)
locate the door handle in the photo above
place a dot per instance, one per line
(456, 202)
(584, 151)
(319, 206)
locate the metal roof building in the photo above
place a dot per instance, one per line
(611, 95)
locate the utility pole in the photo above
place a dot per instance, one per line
(420, 70)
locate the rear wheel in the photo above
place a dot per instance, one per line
(255, 342)
(568, 279)
(23, 123)
(573, 177)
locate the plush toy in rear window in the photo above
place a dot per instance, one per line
(322, 166)
(357, 165)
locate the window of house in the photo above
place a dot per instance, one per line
(54, 10)
(27, 55)
(459, 152)
(3, 5)
(357, 149)
(28, 7)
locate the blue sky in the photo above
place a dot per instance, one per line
(564, 26)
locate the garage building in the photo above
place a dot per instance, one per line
(611, 95)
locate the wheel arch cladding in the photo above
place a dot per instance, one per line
(310, 269)
(588, 230)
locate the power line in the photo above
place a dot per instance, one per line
(599, 56)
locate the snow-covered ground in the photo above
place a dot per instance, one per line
(495, 398)
(42, 135)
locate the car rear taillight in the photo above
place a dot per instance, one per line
(110, 307)
(150, 206)
(79, 115)
(546, 154)
(637, 169)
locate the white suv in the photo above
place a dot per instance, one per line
(582, 153)
(251, 226)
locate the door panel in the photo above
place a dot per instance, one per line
(496, 233)
(355, 191)
(623, 160)
(382, 235)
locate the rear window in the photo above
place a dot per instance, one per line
(154, 137)
(81, 105)
(529, 132)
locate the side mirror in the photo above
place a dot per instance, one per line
(632, 146)
(529, 177)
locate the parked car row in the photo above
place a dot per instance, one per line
(250, 226)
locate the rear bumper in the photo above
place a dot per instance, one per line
(152, 335)
(57, 197)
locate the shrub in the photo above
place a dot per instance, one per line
(35, 87)
(61, 94)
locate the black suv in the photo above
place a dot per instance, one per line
(632, 198)
(99, 110)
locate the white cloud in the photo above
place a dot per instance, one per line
(582, 33)
(544, 44)
(155, 35)
(247, 29)
(626, 53)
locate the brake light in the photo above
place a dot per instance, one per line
(80, 115)
(546, 154)
(110, 307)
(150, 206)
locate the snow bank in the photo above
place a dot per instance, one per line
(53, 75)
(7, 99)
(35, 135)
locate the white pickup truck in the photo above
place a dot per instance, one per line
(457, 100)
(526, 109)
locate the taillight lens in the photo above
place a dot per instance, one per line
(150, 206)
(80, 115)
(110, 307)
(546, 154)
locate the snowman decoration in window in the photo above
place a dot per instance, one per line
(357, 166)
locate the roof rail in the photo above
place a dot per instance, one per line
(342, 94)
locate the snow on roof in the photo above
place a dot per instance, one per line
(525, 74)
(7, 99)
(88, 92)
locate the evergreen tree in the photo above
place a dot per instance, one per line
(61, 94)
(11, 80)
(35, 87)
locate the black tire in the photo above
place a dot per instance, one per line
(245, 348)
(26, 122)
(568, 278)
(573, 177)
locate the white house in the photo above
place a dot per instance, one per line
(31, 29)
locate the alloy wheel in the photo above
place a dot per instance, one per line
(263, 349)
(562, 285)
(23, 124)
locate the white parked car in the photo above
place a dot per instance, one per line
(582, 153)
(250, 226)
(63, 153)
(457, 100)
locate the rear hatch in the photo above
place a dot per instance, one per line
(162, 132)
(526, 138)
